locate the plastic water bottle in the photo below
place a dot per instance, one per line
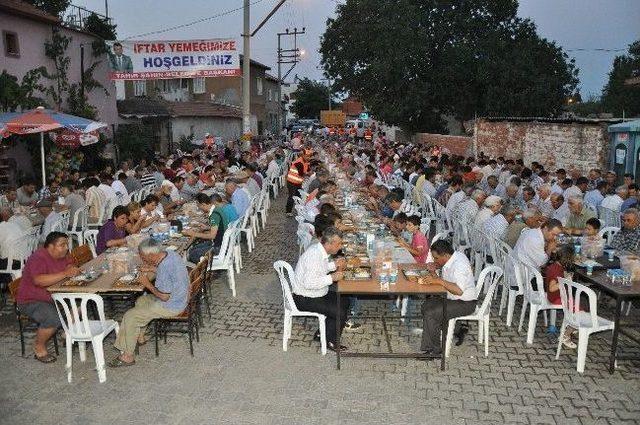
(393, 274)
(383, 278)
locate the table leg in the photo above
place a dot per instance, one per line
(443, 327)
(614, 338)
(338, 330)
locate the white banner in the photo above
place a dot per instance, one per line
(163, 59)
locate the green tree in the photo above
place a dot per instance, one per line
(617, 97)
(412, 62)
(14, 95)
(311, 97)
(52, 7)
(135, 141)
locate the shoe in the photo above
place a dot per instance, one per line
(462, 332)
(566, 341)
(332, 346)
(352, 326)
(432, 354)
(316, 336)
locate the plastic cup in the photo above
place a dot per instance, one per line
(589, 269)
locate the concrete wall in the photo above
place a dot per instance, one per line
(31, 38)
(555, 145)
(458, 145)
(227, 128)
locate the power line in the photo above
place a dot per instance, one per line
(197, 21)
(578, 49)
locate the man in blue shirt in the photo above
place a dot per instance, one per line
(167, 298)
(239, 198)
(593, 198)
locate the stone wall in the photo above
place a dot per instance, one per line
(555, 145)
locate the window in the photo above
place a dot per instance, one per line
(198, 85)
(171, 85)
(259, 86)
(139, 88)
(11, 47)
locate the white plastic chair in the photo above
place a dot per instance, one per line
(608, 233)
(305, 234)
(585, 322)
(489, 277)
(63, 221)
(246, 226)
(224, 260)
(20, 251)
(91, 239)
(287, 277)
(78, 225)
(72, 310)
(513, 284)
(536, 300)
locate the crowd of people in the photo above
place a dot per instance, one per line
(526, 206)
(220, 184)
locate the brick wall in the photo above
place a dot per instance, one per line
(458, 145)
(555, 145)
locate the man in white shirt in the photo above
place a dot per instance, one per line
(121, 191)
(457, 279)
(10, 231)
(457, 198)
(109, 193)
(492, 205)
(560, 208)
(614, 202)
(51, 218)
(468, 209)
(544, 200)
(535, 245)
(314, 273)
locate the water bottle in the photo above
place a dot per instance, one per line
(383, 278)
(393, 274)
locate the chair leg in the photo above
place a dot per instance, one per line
(286, 331)
(69, 350)
(523, 313)
(503, 298)
(22, 348)
(583, 343)
(511, 304)
(232, 280)
(480, 331)
(190, 337)
(404, 307)
(533, 320)
(562, 330)
(156, 331)
(447, 346)
(486, 336)
(323, 335)
(98, 354)
(55, 344)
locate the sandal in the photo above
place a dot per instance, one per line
(118, 362)
(47, 358)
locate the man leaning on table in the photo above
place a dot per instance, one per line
(167, 298)
(456, 277)
(315, 273)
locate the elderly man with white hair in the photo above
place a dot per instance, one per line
(168, 297)
(492, 206)
(628, 238)
(578, 216)
(614, 202)
(470, 208)
(512, 198)
(544, 200)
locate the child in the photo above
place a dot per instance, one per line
(559, 263)
(591, 229)
(419, 247)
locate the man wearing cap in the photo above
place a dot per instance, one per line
(51, 218)
(492, 205)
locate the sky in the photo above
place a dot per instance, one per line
(572, 24)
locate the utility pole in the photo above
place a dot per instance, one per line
(246, 70)
(286, 56)
(246, 62)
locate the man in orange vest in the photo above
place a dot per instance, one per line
(295, 177)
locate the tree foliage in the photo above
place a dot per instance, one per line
(21, 95)
(52, 7)
(411, 62)
(617, 97)
(311, 98)
(135, 141)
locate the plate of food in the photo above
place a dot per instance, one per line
(127, 278)
(358, 273)
(414, 274)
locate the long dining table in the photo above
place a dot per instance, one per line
(405, 285)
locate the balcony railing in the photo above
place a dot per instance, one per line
(76, 17)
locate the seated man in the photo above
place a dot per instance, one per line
(219, 220)
(51, 217)
(457, 279)
(112, 233)
(315, 272)
(579, 214)
(628, 238)
(45, 267)
(167, 298)
(239, 198)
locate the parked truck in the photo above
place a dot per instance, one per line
(333, 118)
